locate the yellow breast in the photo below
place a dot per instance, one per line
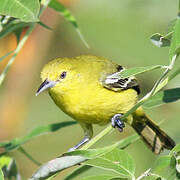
(81, 94)
(95, 105)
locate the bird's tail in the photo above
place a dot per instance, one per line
(155, 138)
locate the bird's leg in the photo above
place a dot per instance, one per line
(83, 141)
(88, 133)
(117, 122)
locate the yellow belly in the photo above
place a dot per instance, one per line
(95, 106)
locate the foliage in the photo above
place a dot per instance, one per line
(14, 20)
(113, 159)
(17, 142)
(8, 168)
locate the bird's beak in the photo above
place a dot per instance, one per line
(45, 85)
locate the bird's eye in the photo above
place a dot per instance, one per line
(63, 75)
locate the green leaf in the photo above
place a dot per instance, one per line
(8, 165)
(175, 150)
(167, 167)
(13, 26)
(17, 33)
(168, 79)
(4, 161)
(99, 177)
(177, 157)
(79, 170)
(117, 161)
(57, 6)
(70, 159)
(138, 70)
(24, 10)
(56, 165)
(175, 42)
(171, 25)
(163, 97)
(6, 55)
(92, 153)
(164, 167)
(174, 74)
(132, 72)
(128, 141)
(176, 153)
(15, 143)
(160, 40)
(122, 144)
(1, 175)
(44, 25)
(23, 151)
(161, 162)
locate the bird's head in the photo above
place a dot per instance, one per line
(56, 75)
(73, 74)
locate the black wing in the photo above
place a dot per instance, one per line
(116, 83)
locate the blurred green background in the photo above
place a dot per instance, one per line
(118, 30)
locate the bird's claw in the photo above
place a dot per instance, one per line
(117, 122)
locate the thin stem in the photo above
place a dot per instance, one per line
(82, 38)
(162, 82)
(158, 82)
(97, 137)
(168, 35)
(157, 86)
(19, 47)
(6, 55)
(166, 80)
(174, 74)
(21, 44)
(28, 156)
(145, 174)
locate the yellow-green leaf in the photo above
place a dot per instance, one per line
(25, 10)
(17, 142)
(175, 41)
(118, 161)
(1, 175)
(163, 97)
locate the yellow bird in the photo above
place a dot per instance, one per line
(84, 88)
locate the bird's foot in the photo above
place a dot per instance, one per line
(117, 122)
